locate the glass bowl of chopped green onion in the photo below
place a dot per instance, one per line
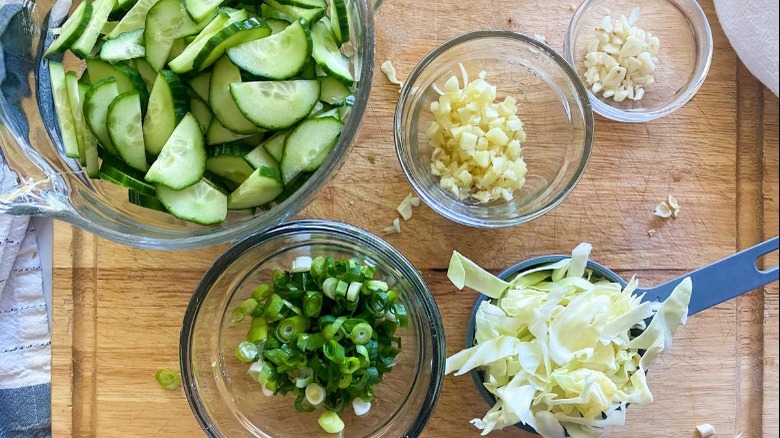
(639, 60)
(192, 68)
(493, 129)
(312, 328)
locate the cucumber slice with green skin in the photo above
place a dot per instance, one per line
(77, 111)
(344, 111)
(124, 5)
(310, 15)
(339, 21)
(333, 92)
(275, 146)
(168, 104)
(306, 4)
(221, 101)
(223, 185)
(200, 9)
(276, 25)
(134, 19)
(280, 56)
(269, 12)
(259, 157)
(177, 47)
(96, 103)
(230, 167)
(291, 188)
(202, 113)
(148, 75)
(326, 53)
(127, 78)
(276, 105)
(309, 70)
(218, 134)
(200, 203)
(83, 46)
(71, 30)
(261, 187)
(146, 201)
(118, 172)
(200, 84)
(161, 29)
(307, 146)
(184, 63)
(126, 46)
(333, 112)
(65, 118)
(182, 159)
(124, 128)
(232, 35)
(318, 108)
(90, 142)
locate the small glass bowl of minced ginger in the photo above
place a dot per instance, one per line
(493, 129)
(639, 60)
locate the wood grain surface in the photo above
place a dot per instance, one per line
(118, 310)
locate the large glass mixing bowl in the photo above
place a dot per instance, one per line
(37, 179)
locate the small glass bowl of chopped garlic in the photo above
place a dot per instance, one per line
(493, 129)
(639, 60)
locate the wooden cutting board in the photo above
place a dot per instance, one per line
(117, 310)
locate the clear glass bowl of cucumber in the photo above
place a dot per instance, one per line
(228, 402)
(226, 122)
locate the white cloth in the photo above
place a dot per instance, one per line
(752, 29)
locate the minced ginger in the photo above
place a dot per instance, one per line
(477, 142)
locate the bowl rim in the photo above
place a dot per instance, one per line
(506, 275)
(358, 235)
(613, 113)
(581, 97)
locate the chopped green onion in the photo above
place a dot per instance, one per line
(353, 291)
(295, 309)
(344, 381)
(373, 286)
(247, 352)
(363, 352)
(341, 288)
(400, 315)
(377, 304)
(305, 377)
(360, 407)
(350, 365)
(317, 267)
(312, 304)
(257, 332)
(315, 394)
(301, 264)
(329, 287)
(361, 333)
(237, 315)
(332, 330)
(333, 351)
(168, 379)
(261, 292)
(249, 305)
(330, 422)
(289, 328)
(274, 308)
(301, 405)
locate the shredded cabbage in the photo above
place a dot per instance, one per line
(557, 348)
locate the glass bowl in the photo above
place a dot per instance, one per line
(684, 53)
(37, 178)
(552, 104)
(228, 403)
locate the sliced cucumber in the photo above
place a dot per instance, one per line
(118, 172)
(89, 146)
(134, 19)
(200, 84)
(339, 20)
(309, 14)
(65, 118)
(184, 62)
(277, 25)
(227, 161)
(200, 203)
(259, 157)
(291, 188)
(77, 112)
(221, 101)
(182, 159)
(71, 30)
(276, 105)
(308, 145)
(279, 56)
(177, 48)
(261, 187)
(218, 134)
(202, 113)
(275, 145)
(306, 4)
(161, 28)
(83, 46)
(318, 108)
(127, 78)
(124, 127)
(332, 112)
(146, 201)
(309, 70)
(168, 104)
(268, 12)
(96, 103)
(123, 6)
(326, 53)
(232, 35)
(148, 75)
(200, 9)
(127, 45)
(333, 92)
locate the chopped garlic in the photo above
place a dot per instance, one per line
(395, 228)
(405, 208)
(705, 430)
(662, 210)
(389, 70)
(621, 59)
(572, 7)
(476, 141)
(651, 233)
